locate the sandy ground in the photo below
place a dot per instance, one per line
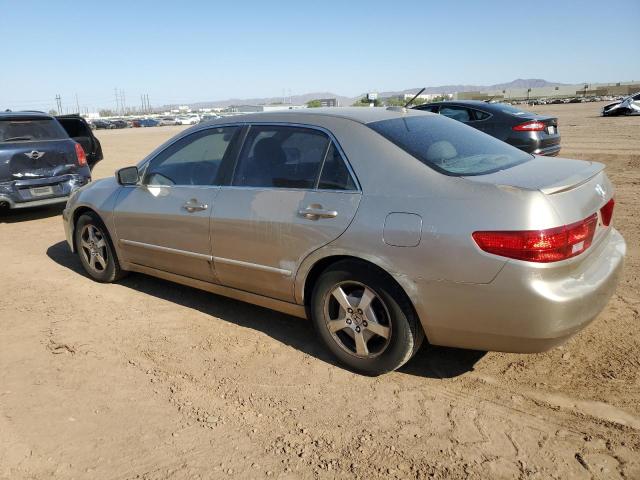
(146, 379)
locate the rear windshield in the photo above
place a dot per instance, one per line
(506, 108)
(31, 130)
(448, 146)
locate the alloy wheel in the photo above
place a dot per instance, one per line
(358, 319)
(93, 247)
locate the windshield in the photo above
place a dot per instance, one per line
(448, 146)
(31, 130)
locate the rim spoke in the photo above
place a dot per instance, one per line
(92, 233)
(336, 325)
(92, 261)
(361, 345)
(84, 243)
(341, 297)
(367, 297)
(101, 243)
(101, 261)
(378, 329)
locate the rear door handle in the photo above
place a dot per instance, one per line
(193, 206)
(315, 212)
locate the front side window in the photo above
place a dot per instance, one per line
(429, 108)
(449, 147)
(193, 160)
(281, 157)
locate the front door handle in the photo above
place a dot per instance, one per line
(315, 212)
(193, 206)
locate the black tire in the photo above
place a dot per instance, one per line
(391, 308)
(105, 268)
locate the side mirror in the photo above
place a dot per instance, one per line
(128, 176)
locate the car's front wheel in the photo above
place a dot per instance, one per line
(95, 249)
(364, 318)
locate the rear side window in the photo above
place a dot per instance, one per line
(335, 175)
(480, 115)
(281, 157)
(460, 114)
(31, 130)
(449, 147)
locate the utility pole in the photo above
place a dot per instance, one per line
(117, 100)
(124, 104)
(59, 103)
(148, 103)
(77, 105)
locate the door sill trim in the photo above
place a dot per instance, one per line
(253, 298)
(265, 268)
(159, 248)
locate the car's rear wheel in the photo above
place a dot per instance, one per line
(364, 318)
(95, 249)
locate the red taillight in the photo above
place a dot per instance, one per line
(82, 157)
(543, 246)
(606, 212)
(530, 127)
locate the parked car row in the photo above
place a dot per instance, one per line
(384, 226)
(108, 124)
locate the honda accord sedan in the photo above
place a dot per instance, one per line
(384, 226)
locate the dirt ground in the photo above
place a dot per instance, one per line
(147, 379)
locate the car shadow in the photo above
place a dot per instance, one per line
(30, 213)
(430, 362)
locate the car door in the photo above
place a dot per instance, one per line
(291, 193)
(164, 221)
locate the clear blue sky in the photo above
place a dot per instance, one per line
(208, 50)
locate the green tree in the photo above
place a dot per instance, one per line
(394, 102)
(106, 113)
(53, 112)
(364, 102)
(314, 104)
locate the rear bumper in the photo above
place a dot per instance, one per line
(551, 151)
(536, 143)
(527, 308)
(17, 194)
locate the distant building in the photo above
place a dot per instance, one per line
(328, 102)
(478, 96)
(262, 108)
(426, 96)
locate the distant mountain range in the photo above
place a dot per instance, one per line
(515, 84)
(345, 101)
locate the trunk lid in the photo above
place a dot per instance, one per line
(574, 188)
(34, 160)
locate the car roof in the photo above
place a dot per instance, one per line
(468, 103)
(362, 115)
(25, 115)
